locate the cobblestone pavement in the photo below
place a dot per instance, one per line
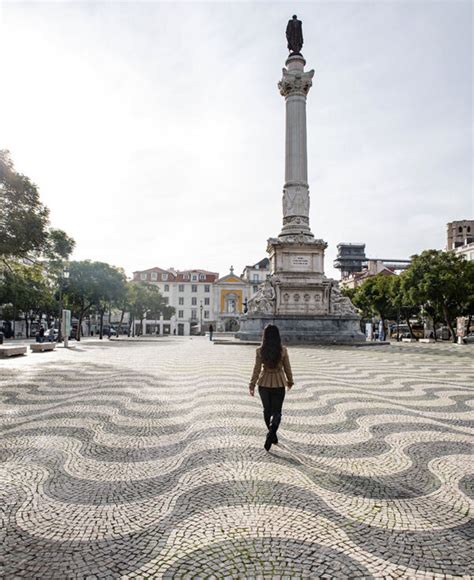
(146, 460)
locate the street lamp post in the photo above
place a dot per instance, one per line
(200, 319)
(398, 324)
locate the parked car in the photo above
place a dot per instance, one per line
(444, 333)
(404, 331)
(106, 331)
(469, 339)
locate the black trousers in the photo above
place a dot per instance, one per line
(272, 400)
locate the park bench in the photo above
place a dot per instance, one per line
(42, 346)
(12, 350)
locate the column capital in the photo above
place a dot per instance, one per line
(295, 82)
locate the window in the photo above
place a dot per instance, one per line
(194, 288)
(180, 313)
(194, 277)
(206, 313)
(194, 301)
(142, 276)
(468, 228)
(166, 299)
(154, 276)
(194, 314)
(257, 267)
(202, 276)
(186, 277)
(255, 278)
(181, 301)
(207, 301)
(460, 230)
(180, 287)
(164, 276)
(167, 287)
(207, 288)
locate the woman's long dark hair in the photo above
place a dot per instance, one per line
(271, 346)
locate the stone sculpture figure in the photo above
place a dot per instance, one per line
(294, 35)
(341, 304)
(264, 300)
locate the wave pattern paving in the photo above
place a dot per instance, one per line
(146, 460)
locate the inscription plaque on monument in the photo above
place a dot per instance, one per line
(303, 262)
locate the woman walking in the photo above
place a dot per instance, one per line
(271, 380)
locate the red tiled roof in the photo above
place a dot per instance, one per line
(208, 276)
(178, 276)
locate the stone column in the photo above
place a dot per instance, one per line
(294, 86)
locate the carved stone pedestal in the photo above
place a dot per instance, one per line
(307, 307)
(301, 329)
(297, 266)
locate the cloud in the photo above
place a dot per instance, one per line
(156, 131)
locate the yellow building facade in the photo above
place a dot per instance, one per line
(230, 294)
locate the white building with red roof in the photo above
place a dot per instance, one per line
(189, 292)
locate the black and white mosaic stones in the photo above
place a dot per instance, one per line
(146, 460)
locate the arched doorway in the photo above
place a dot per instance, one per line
(232, 325)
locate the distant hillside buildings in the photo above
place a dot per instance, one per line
(460, 238)
(355, 267)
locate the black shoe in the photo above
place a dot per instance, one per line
(268, 441)
(274, 439)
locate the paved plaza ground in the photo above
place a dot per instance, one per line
(146, 460)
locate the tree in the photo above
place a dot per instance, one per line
(25, 287)
(468, 304)
(125, 303)
(402, 303)
(93, 284)
(112, 290)
(84, 288)
(146, 298)
(374, 297)
(157, 305)
(440, 282)
(58, 246)
(23, 218)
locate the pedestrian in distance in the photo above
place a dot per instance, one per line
(211, 330)
(272, 372)
(40, 334)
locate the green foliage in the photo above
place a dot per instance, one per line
(374, 297)
(467, 308)
(442, 283)
(146, 298)
(348, 292)
(23, 218)
(58, 246)
(26, 290)
(93, 284)
(401, 300)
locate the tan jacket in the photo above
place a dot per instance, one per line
(266, 377)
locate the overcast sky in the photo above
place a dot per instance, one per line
(155, 130)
